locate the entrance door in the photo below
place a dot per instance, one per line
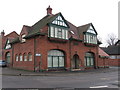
(8, 57)
(75, 62)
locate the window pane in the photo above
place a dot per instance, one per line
(92, 62)
(63, 33)
(20, 57)
(52, 32)
(55, 61)
(59, 33)
(29, 57)
(16, 57)
(55, 53)
(88, 61)
(87, 38)
(66, 34)
(25, 57)
(56, 31)
(49, 61)
(61, 61)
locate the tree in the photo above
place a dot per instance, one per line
(112, 39)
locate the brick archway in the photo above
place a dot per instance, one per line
(7, 58)
(75, 63)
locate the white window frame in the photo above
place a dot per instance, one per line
(16, 58)
(25, 57)
(23, 40)
(21, 57)
(57, 32)
(29, 57)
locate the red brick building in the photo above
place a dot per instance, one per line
(114, 54)
(53, 43)
(6, 48)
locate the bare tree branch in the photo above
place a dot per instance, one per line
(111, 39)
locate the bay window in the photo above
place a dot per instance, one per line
(57, 32)
(90, 38)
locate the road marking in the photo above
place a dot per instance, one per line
(99, 87)
(104, 78)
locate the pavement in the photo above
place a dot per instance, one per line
(17, 72)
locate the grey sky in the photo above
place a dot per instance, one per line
(102, 13)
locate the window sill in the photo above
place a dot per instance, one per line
(90, 44)
(57, 40)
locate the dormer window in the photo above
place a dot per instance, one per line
(58, 28)
(8, 45)
(90, 36)
(23, 40)
(57, 32)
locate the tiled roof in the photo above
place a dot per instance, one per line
(102, 53)
(112, 50)
(35, 29)
(73, 29)
(16, 40)
(84, 28)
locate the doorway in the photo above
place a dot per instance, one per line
(75, 62)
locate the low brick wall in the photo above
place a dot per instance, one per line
(103, 62)
(114, 62)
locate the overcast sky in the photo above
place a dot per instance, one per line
(102, 13)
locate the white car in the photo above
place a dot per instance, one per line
(3, 63)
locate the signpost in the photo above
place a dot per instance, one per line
(40, 62)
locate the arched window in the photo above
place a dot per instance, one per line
(21, 58)
(25, 57)
(16, 57)
(55, 59)
(29, 57)
(89, 59)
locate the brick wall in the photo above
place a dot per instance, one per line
(114, 62)
(103, 62)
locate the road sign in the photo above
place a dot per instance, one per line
(37, 54)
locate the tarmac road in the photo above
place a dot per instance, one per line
(98, 78)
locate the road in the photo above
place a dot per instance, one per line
(65, 81)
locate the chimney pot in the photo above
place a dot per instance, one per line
(2, 33)
(49, 10)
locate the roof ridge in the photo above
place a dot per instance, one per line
(84, 25)
(11, 33)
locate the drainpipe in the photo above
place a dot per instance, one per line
(96, 63)
(34, 53)
(70, 52)
(12, 55)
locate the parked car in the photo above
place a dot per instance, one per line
(3, 63)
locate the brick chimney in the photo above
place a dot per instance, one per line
(49, 10)
(2, 33)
